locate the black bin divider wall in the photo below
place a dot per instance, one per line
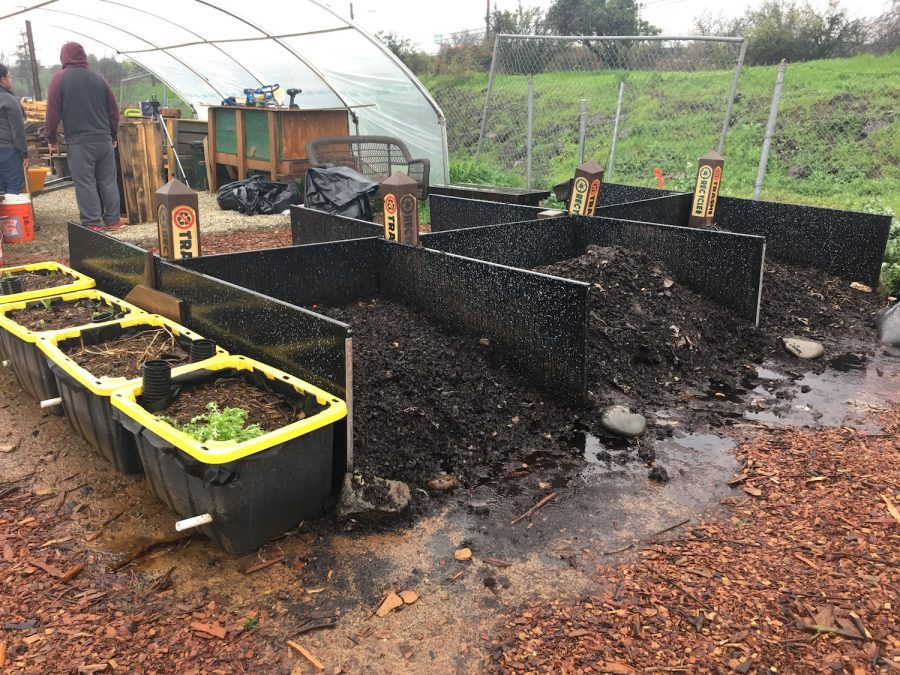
(309, 226)
(456, 213)
(538, 321)
(527, 244)
(725, 267)
(327, 274)
(670, 210)
(115, 265)
(845, 243)
(615, 193)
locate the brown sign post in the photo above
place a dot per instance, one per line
(401, 210)
(706, 190)
(178, 220)
(586, 189)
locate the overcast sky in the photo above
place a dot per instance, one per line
(423, 21)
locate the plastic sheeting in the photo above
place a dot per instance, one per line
(209, 50)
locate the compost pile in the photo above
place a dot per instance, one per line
(653, 340)
(428, 401)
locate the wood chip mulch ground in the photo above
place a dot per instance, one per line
(62, 611)
(803, 576)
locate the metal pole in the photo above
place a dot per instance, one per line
(734, 85)
(528, 150)
(770, 131)
(34, 66)
(615, 134)
(487, 98)
(582, 124)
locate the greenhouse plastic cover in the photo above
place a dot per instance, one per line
(208, 51)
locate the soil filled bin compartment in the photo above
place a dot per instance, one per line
(21, 323)
(40, 280)
(79, 359)
(254, 489)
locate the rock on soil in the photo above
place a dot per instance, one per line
(803, 348)
(371, 498)
(618, 419)
(658, 474)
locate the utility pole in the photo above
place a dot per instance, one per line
(487, 21)
(351, 12)
(34, 66)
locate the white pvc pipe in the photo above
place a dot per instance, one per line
(196, 521)
(5, 364)
(50, 402)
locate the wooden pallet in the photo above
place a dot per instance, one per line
(140, 154)
(35, 110)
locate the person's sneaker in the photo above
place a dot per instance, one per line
(95, 228)
(118, 225)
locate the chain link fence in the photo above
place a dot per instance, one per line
(675, 100)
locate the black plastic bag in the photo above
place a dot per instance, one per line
(257, 195)
(339, 190)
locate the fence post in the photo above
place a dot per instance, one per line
(734, 85)
(582, 125)
(528, 151)
(615, 133)
(487, 97)
(770, 131)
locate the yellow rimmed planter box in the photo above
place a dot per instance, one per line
(76, 281)
(246, 492)
(86, 397)
(19, 341)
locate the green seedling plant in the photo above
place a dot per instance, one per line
(251, 622)
(218, 425)
(47, 303)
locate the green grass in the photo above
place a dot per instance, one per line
(836, 145)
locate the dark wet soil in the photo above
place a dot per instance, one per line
(38, 279)
(264, 408)
(124, 355)
(60, 314)
(427, 401)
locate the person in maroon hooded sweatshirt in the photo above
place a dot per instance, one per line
(85, 104)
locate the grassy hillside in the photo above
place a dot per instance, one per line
(837, 141)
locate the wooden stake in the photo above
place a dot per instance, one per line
(530, 512)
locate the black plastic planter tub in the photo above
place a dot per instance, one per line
(20, 344)
(86, 397)
(254, 490)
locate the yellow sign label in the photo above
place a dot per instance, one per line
(409, 219)
(165, 231)
(184, 226)
(701, 191)
(390, 218)
(579, 196)
(713, 192)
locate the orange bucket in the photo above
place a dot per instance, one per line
(17, 219)
(37, 176)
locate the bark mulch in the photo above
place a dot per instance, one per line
(63, 612)
(800, 577)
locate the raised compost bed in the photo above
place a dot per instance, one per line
(38, 280)
(245, 491)
(21, 323)
(90, 363)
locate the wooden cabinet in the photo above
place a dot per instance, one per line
(268, 139)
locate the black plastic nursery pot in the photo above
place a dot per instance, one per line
(28, 363)
(86, 396)
(252, 490)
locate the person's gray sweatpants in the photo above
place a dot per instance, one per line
(93, 168)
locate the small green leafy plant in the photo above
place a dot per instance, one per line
(253, 621)
(47, 303)
(218, 425)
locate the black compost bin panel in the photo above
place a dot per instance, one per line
(300, 342)
(455, 213)
(323, 274)
(844, 243)
(309, 226)
(527, 244)
(29, 366)
(615, 193)
(670, 210)
(539, 322)
(723, 266)
(116, 266)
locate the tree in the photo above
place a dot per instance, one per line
(521, 21)
(785, 30)
(597, 17)
(405, 50)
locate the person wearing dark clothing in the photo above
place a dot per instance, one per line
(13, 144)
(85, 104)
